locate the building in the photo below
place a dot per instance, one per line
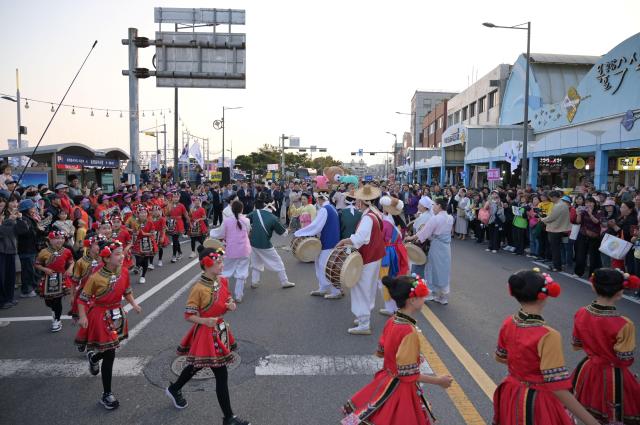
(433, 125)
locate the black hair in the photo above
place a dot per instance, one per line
(236, 209)
(525, 285)
(607, 282)
(203, 252)
(399, 221)
(442, 202)
(399, 288)
(630, 204)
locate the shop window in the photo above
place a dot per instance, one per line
(472, 109)
(481, 103)
(492, 99)
(464, 113)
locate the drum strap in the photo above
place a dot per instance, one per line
(262, 223)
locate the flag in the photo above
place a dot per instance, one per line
(184, 156)
(195, 152)
(153, 162)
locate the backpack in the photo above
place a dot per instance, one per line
(483, 216)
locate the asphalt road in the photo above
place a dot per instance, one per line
(43, 379)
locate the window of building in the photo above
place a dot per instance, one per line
(456, 117)
(464, 113)
(441, 123)
(472, 109)
(449, 120)
(492, 99)
(432, 128)
(481, 103)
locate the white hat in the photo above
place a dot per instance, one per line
(426, 202)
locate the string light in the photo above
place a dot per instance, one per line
(92, 112)
(52, 110)
(73, 111)
(107, 113)
(142, 114)
(120, 114)
(26, 105)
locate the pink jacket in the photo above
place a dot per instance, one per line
(238, 245)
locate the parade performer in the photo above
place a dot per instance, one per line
(369, 242)
(349, 217)
(176, 215)
(123, 235)
(602, 382)
(144, 245)
(438, 270)
(235, 231)
(326, 224)
(88, 264)
(209, 342)
(104, 229)
(55, 262)
(102, 319)
(160, 230)
(198, 228)
(263, 254)
(395, 395)
(537, 389)
(396, 260)
(425, 205)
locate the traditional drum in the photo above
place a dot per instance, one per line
(344, 267)
(212, 243)
(416, 254)
(306, 248)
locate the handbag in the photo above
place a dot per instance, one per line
(575, 231)
(614, 247)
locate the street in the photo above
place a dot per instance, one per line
(296, 364)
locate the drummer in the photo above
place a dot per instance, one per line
(327, 225)
(425, 205)
(369, 241)
(349, 216)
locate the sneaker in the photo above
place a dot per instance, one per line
(234, 420)
(288, 285)
(494, 251)
(94, 368)
(29, 295)
(160, 263)
(135, 269)
(531, 256)
(487, 249)
(360, 330)
(255, 285)
(192, 255)
(142, 279)
(333, 296)
(385, 312)
(239, 299)
(56, 326)
(179, 256)
(318, 293)
(109, 401)
(443, 299)
(81, 348)
(173, 259)
(176, 396)
(151, 266)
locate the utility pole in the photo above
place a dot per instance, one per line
(18, 109)
(223, 126)
(134, 146)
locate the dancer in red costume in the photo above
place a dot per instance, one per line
(198, 229)
(160, 229)
(103, 323)
(144, 245)
(209, 342)
(602, 382)
(395, 395)
(83, 268)
(537, 389)
(177, 216)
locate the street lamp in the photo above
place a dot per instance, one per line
(415, 141)
(525, 123)
(21, 130)
(221, 125)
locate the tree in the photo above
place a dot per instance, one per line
(321, 162)
(244, 162)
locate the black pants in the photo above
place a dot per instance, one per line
(194, 239)
(175, 238)
(587, 248)
(555, 244)
(160, 253)
(143, 263)
(222, 385)
(217, 215)
(480, 230)
(106, 369)
(7, 277)
(519, 239)
(494, 237)
(55, 304)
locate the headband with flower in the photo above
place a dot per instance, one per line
(630, 281)
(108, 250)
(57, 234)
(93, 240)
(550, 289)
(419, 287)
(209, 259)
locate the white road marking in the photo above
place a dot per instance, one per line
(67, 368)
(127, 308)
(306, 365)
(155, 313)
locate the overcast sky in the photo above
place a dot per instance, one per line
(331, 72)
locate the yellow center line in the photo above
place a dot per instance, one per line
(455, 392)
(477, 373)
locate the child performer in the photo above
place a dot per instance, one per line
(144, 247)
(602, 382)
(396, 260)
(160, 229)
(198, 229)
(235, 231)
(537, 389)
(102, 320)
(123, 235)
(395, 396)
(209, 342)
(176, 215)
(56, 264)
(88, 264)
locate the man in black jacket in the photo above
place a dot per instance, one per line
(28, 236)
(217, 205)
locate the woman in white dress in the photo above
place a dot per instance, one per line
(462, 222)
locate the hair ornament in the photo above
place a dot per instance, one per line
(209, 259)
(419, 287)
(550, 288)
(57, 234)
(630, 281)
(108, 250)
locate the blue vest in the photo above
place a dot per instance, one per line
(330, 234)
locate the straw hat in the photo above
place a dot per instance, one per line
(213, 243)
(391, 205)
(368, 193)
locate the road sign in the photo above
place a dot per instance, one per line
(360, 151)
(493, 174)
(294, 142)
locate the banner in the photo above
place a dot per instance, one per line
(184, 156)
(153, 162)
(493, 174)
(81, 161)
(273, 167)
(195, 152)
(512, 153)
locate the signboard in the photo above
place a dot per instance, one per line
(273, 167)
(629, 163)
(294, 142)
(579, 163)
(81, 161)
(17, 161)
(368, 178)
(454, 135)
(493, 174)
(216, 176)
(179, 15)
(34, 178)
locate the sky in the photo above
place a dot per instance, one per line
(332, 73)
